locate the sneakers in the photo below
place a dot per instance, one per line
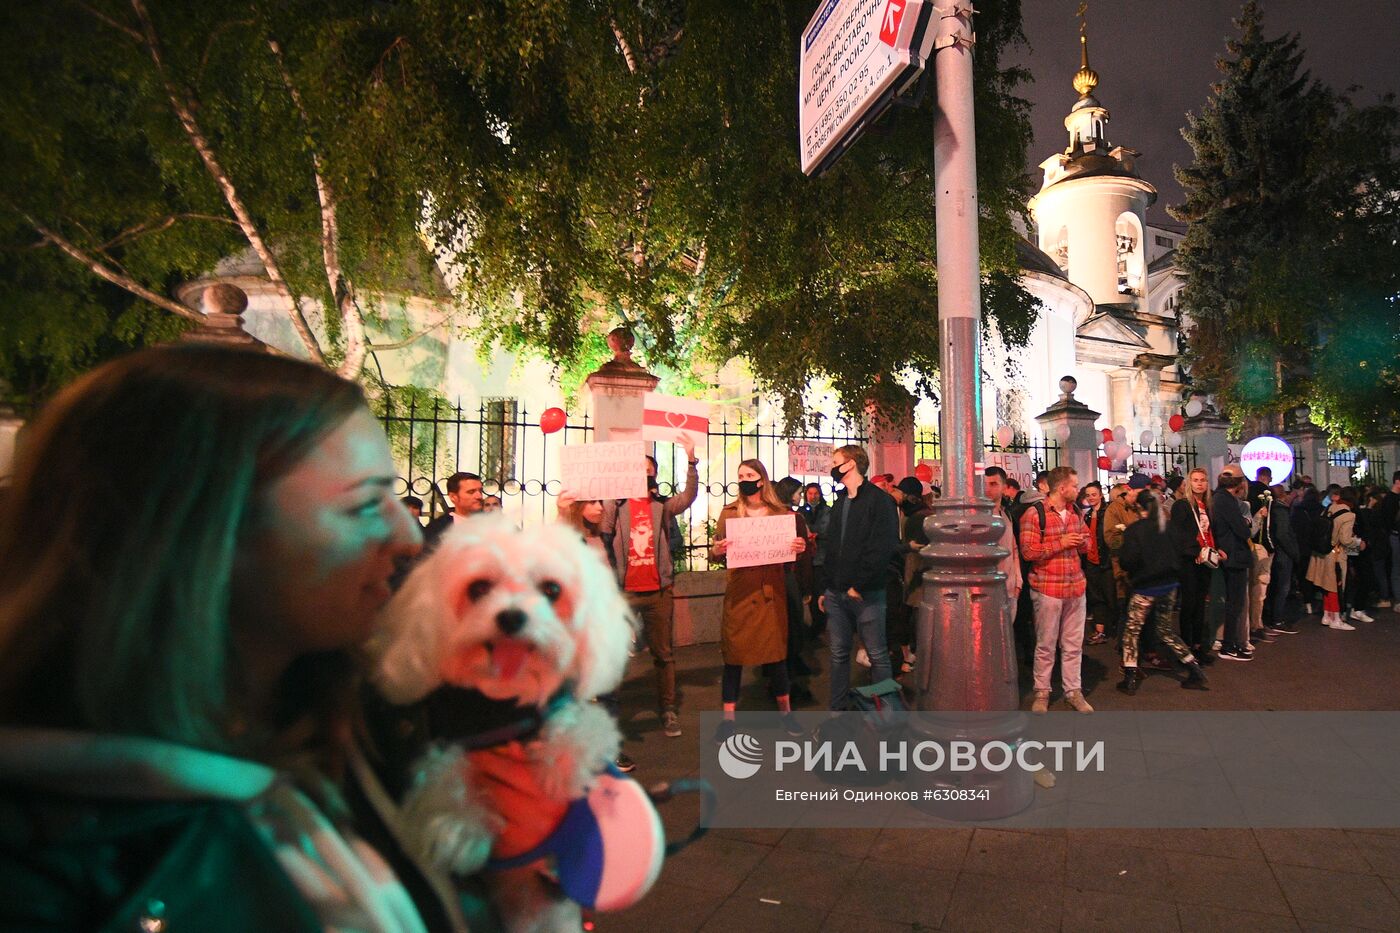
(1195, 678)
(1097, 638)
(624, 763)
(1041, 703)
(1282, 628)
(1260, 637)
(1235, 654)
(1334, 620)
(670, 724)
(724, 731)
(1076, 702)
(791, 726)
(1361, 615)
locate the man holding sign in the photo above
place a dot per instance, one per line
(642, 558)
(757, 535)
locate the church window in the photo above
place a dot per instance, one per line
(1164, 241)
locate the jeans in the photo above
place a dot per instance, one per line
(1236, 627)
(1162, 609)
(653, 609)
(1058, 622)
(1279, 585)
(844, 616)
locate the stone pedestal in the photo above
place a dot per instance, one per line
(615, 390)
(1207, 433)
(1071, 422)
(1310, 452)
(1384, 447)
(890, 432)
(223, 306)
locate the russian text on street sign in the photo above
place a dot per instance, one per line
(855, 58)
(760, 540)
(606, 470)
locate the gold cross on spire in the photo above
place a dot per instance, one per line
(1085, 79)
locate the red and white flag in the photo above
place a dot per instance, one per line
(668, 417)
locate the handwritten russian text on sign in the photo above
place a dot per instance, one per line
(809, 458)
(608, 470)
(765, 539)
(1017, 466)
(854, 57)
(667, 417)
(1151, 464)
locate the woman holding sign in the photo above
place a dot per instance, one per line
(754, 629)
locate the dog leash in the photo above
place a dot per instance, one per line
(667, 791)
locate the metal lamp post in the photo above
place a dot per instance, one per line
(967, 661)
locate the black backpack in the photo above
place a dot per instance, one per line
(1322, 534)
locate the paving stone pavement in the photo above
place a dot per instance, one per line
(977, 878)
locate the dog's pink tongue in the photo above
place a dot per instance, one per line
(509, 654)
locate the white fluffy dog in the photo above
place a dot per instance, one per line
(533, 617)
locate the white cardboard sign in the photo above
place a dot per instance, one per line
(1017, 466)
(809, 458)
(763, 539)
(606, 470)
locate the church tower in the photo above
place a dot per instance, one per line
(1092, 205)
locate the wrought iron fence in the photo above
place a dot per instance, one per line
(1362, 467)
(1154, 460)
(502, 442)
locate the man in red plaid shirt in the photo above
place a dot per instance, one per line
(1052, 538)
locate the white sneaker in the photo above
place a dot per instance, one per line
(1361, 616)
(1341, 626)
(862, 658)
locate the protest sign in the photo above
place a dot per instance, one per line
(809, 458)
(668, 417)
(608, 470)
(1017, 466)
(761, 540)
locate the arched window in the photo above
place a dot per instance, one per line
(1131, 266)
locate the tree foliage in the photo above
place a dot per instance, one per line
(1291, 258)
(570, 163)
(647, 168)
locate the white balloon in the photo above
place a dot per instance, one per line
(1062, 433)
(1120, 433)
(1174, 439)
(1005, 435)
(1146, 438)
(1194, 408)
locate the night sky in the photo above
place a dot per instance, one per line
(1156, 61)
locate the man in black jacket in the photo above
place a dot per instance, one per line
(1278, 532)
(862, 542)
(1231, 533)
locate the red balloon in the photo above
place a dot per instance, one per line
(923, 473)
(1105, 463)
(553, 419)
(1107, 434)
(1176, 422)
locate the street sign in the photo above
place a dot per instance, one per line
(856, 57)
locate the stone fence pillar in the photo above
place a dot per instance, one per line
(615, 391)
(1071, 422)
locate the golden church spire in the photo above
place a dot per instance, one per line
(1086, 78)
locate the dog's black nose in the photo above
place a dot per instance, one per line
(511, 621)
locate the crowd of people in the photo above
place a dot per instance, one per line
(182, 707)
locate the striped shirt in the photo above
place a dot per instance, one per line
(1055, 569)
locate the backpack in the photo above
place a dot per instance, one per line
(1039, 506)
(1321, 534)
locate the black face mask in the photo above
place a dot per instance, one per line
(836, 473)
(748, 487)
